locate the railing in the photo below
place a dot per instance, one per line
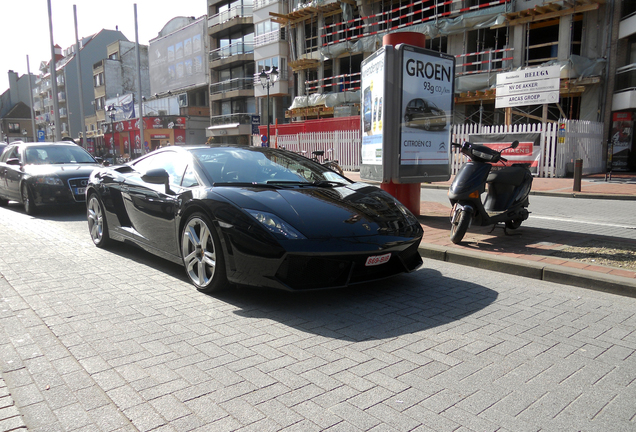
(282, 76)
(232, 50)
(412, 13)
(270, 37)
(484, 61)
(262, 3)
(235, 12)
(241, 118)
(346, 82)
(233, 84)
(625, 78)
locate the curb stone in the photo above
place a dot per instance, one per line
(532, 269)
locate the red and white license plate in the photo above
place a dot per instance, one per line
(377, 260)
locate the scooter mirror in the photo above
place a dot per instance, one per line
(514, 144)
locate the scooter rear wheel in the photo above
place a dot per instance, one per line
(460, 226)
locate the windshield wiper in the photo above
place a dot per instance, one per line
(288, 182)
(327, 183)
(246, 184)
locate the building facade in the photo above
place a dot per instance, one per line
(92, 50)
(15, 109)
(622, 139)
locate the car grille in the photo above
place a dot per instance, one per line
(78, 186)
(301, 272)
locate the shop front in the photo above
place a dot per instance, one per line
(123, 141)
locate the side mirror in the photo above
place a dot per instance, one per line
(13, 161)
(158, 176)
(514, 144)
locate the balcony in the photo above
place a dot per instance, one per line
(230, 125)
(259, 4)
(230, 120)
(60, 80)
(625, 88)
(238, 87)
(237, 17)
(234, 54)
(270, 37)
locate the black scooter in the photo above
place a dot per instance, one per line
(507, 197)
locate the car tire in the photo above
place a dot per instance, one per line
(27, 200)
(97, 225)
(202, 254)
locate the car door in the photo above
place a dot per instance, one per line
(11, 173)
(150, 207)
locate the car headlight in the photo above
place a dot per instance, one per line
(49, 180)
(410, 218)
(276, 225)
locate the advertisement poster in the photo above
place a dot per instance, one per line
(427, 107)
(621, 140)
(373, 79)
(528, 152)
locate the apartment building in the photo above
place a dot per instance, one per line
(622, 139)
(245, 40)
(93, 49)
(329, 39)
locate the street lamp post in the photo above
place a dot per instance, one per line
(111, 113)
(268, 79)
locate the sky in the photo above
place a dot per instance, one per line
(24, 28)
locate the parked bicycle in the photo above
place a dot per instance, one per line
(332, 164)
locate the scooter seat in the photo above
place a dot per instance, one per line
(512, 175)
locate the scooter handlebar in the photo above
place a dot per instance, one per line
(503, 159)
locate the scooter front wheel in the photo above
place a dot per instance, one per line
(460, 226)
(513, 224)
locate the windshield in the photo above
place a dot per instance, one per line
(52, 154)
(262, 165)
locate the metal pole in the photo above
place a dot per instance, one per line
(79, 80)
(35, 138)
(56, 110)
(139, 93)
(268, 77)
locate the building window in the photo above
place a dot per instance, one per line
(98, 79)
(14, 127)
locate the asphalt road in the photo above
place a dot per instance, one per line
(613, 218)
(118, 340)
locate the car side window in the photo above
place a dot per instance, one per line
(11, 154)
(172, 162)
(189, 179)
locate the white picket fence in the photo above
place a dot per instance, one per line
(343, 146)
(579, 140)
(560, 147)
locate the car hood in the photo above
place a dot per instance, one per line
(62, 170)
(327, 212)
